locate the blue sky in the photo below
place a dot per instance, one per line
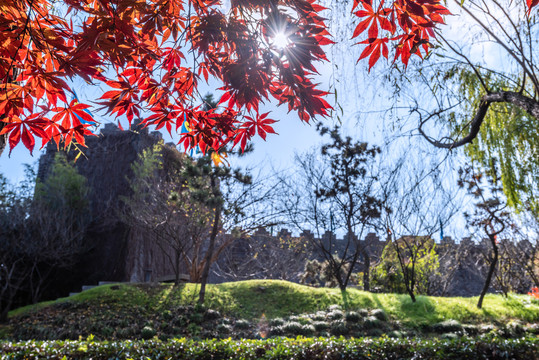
(363, 97)
(294, 135)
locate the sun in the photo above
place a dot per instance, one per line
(280, 40)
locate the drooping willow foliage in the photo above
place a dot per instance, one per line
(508, 143)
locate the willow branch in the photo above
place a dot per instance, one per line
(517, 99)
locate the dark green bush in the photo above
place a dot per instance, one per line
(307, 330)
(363, 312)
(450, 336)
(292, 327)
(193, 329)
(471, 329)
(125, 333)
(379, 314)
(147, 332)
(396, 334)
(447, 326)
(242, 324)
(375, 332)
(320, 325)
(224, 329)
(485, 329)
(338, 328)
(106, 332)
(303, 320)
(352, 317)
(226, 321)
(196, 317)
(212, 315)
(335, 315)
(199, 308)
(532, 329)
(515, 329)
(319, 316)
(180, 321)
(276, 322)
(167, 315)
(276, 331)
(371, 322)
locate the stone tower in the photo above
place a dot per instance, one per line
(116, 252)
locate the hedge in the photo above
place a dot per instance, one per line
(278, 349)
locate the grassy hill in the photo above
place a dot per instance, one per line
(242, 308)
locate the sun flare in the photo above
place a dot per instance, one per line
(280, 40)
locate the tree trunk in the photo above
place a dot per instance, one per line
(5, 302)
(209, 253)
(12, 280)
(408, 281)
(343, 282)
(366, 271)
(490, 272)
(411, 293)
(177, 270)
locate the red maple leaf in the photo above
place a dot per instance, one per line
(373, 18)
(410, 21)
(374, 48)
(70, 115)
(261, 124)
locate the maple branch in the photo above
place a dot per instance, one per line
(517, 99)
(23, 32)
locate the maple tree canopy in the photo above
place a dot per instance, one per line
(151, 56)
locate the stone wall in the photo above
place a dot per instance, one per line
(121, 253)
(463, 262)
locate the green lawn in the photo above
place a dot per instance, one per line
(251, 299)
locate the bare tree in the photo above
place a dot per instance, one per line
(416, 204)
(452, 258)
(518, 263)
(336, 191)
(161, 207)
(490, 214)
(188, 205)
(13, 274)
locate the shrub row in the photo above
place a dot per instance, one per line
(278, 348)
